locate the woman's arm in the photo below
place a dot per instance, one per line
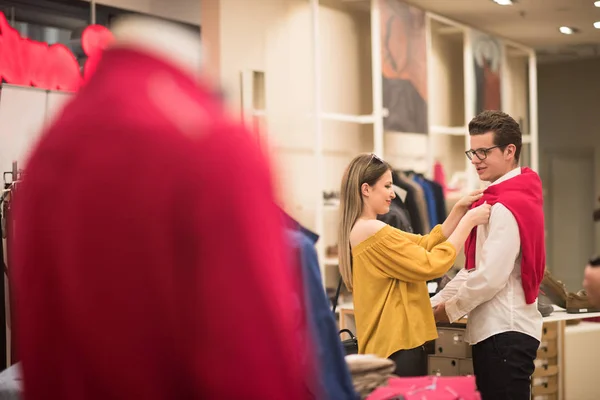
(438, 235)
(479, 215)
(398, 257)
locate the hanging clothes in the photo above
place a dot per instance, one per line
(421, 204)
(333, 380)
(397, 217)
(410, 203)
(429, 199)
(439, 176)
(440, 201)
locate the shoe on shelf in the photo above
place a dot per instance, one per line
(544, 308)
(332, 251)
(578, 303)
(554, 290)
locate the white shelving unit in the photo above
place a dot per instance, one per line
(344, 126)
(519, 94)
(316, 87)
(339, 118)
(447, 94)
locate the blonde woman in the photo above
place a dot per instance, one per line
(387, 269)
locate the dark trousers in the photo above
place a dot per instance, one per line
(503, 366)
(412, 362)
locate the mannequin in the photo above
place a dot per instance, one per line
(171, 286)
(162, 39)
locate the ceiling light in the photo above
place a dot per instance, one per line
(567, 30)
(597, 3)
(506, 2)
(597, 25)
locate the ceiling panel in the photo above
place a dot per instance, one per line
(531, 22)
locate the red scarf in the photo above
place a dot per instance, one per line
(522, 195)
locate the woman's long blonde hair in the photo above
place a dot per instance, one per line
(365, 168)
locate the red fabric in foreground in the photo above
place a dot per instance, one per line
(149, 256)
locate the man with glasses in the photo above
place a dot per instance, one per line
(504, 266)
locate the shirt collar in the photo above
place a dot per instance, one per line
(510, 174)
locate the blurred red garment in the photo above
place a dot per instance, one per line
(149, 256)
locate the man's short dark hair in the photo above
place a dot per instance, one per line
(506, 129)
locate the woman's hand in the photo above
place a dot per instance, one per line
(479, 215)
(465, 203)
(458, 212)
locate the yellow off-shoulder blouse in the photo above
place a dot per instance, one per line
(391, 300)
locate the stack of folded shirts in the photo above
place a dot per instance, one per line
(11, 383)
(369, 372)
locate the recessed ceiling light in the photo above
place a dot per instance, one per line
(506, 2)
(567, 30)
(597, 3)
(597, 25)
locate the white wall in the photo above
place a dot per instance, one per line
(274, 37)
(582, 361)
(19, 130)
(569, 104)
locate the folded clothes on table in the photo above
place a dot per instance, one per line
(369, 372)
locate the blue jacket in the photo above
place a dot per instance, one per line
(334, 379)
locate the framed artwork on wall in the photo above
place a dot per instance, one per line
(404, 67)
(487, 60)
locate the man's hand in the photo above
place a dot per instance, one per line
(591, 284)
(439, 313)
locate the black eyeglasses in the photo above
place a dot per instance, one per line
(481, 154)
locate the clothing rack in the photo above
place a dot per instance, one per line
(12, 181)
(423, 206)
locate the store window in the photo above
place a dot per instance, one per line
(49, 21)
(62, 21)
(106, 15)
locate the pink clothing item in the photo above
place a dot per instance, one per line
(439, 176)
(429, 387)
(150, 261)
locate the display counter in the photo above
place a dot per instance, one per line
(567, 362)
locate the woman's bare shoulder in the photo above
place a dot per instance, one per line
(364, 229)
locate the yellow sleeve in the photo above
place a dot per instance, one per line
(429, 241)
(397, 256)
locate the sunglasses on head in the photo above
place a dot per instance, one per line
(375, 157)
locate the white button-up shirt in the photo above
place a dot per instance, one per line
(492, 293)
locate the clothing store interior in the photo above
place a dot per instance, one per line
(300, 199)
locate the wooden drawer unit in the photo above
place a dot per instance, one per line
(545, 385)
(442, 366)
(548, 349)
(549, 331)
(447, 366)
(546, 397)
(451, 343)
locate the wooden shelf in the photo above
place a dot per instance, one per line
(446, 72)
(448, 130)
